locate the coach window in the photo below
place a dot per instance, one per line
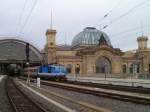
(49, 69)
(40, 70)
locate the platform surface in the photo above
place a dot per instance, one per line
(1, 77)
(114, 81)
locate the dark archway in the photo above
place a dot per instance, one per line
(77, 69)
(69, 67)
(131, 68)
(103, 65)
(124, 68)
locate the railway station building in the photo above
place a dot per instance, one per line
(91, 52)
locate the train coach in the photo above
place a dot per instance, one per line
(51, 71)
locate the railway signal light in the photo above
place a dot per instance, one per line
(27, 51)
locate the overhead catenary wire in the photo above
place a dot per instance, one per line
(125, 14)
(28, 16)
(129, 30)
(109, 12)
(120, 1)
(124, 37)
(21, 16)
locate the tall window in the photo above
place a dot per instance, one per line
(131, 68)
(149, 68)
(138, 68)
(77, 69)
(124, 69)
(103, 65)
(69, 68)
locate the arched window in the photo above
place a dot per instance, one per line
(138, 68)
(103, 65)
(124, 68)
(77, 69)
(131, 68)
(68, 68)
(149, 67)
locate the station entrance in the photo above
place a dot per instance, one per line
(103, 65)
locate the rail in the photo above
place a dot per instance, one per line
(76, 105)
(19, 101)
(119, 95)
(114, 81)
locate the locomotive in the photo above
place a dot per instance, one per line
(50, 71)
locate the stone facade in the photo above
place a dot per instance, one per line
(51, 46)
(101, 58)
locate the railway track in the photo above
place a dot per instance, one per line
(73, 105)
(100, 92)
(94, 90)
(138, 89)
(19, 101)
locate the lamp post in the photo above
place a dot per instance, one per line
(27, 51)
(77, 70)
(133, 70)
(28, 72)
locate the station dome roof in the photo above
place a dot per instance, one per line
(90, 36)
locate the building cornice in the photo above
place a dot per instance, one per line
(93, 50)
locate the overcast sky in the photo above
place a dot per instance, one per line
(71, 16)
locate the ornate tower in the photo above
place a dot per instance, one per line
(51, 46)
(142, 42)
(143, 53)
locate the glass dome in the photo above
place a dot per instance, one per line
(89, 36)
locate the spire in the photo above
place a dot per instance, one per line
(65, 38)
(141, 29)
(51, 25)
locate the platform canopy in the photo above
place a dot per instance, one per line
(13, 51)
